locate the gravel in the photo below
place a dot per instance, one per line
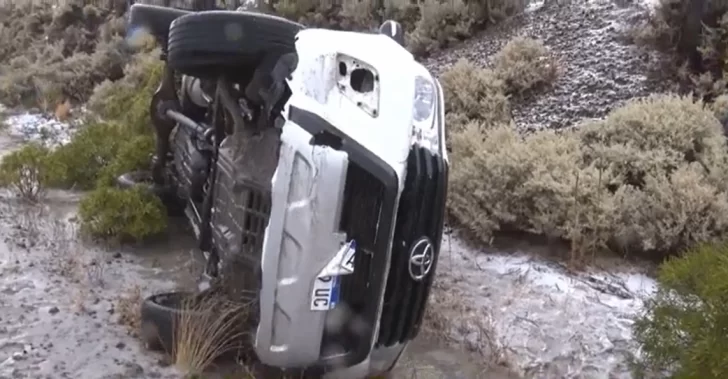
(599, 69)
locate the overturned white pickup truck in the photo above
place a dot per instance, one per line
(312, 166)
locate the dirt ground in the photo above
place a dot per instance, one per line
(65, 304)
(65, 307)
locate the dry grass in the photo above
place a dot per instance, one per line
(207, 329)
(128, 309)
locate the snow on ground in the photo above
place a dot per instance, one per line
(36, 127)
(536, 315)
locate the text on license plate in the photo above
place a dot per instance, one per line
(325, 293)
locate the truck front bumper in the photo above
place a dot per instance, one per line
(321, 195)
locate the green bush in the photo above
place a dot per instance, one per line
(29, 171)
(122, 138)
(92, 148)
(124, 214)
(683, 331)
(128, 100)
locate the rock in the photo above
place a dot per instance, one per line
(53, 310)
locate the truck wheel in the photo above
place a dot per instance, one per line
(165, 315)
(210, 43)
(160, 314)
(154, 19)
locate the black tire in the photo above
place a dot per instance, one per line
(161, 313)
(158, 316)
(227, 42)
(155, 19)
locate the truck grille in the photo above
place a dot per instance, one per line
(420, 214)
(370, 200)
(362, 207)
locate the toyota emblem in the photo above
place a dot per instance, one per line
(421, 258)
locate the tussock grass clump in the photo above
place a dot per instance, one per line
(206, 329)
(649, 180)
(525, 64)
(682, 332)
(128, 307)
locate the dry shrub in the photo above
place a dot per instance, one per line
(525, 64)
(430, 24)
(442, 23)
(128, 308)
(473, 92)
(51, 55)
(682, 332)
(502, 181)
(695, 32)
(206, 329)
(63, 111)
(666, 159)
(720, 110)
(649, 180)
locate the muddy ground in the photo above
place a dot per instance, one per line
(66, 305)
(60, 309)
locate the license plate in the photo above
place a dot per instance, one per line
(325, 293)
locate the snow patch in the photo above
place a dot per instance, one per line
(37, 127)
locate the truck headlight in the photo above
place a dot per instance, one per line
(424, 113)
(425, 97)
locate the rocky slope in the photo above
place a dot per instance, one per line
(599, 69)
